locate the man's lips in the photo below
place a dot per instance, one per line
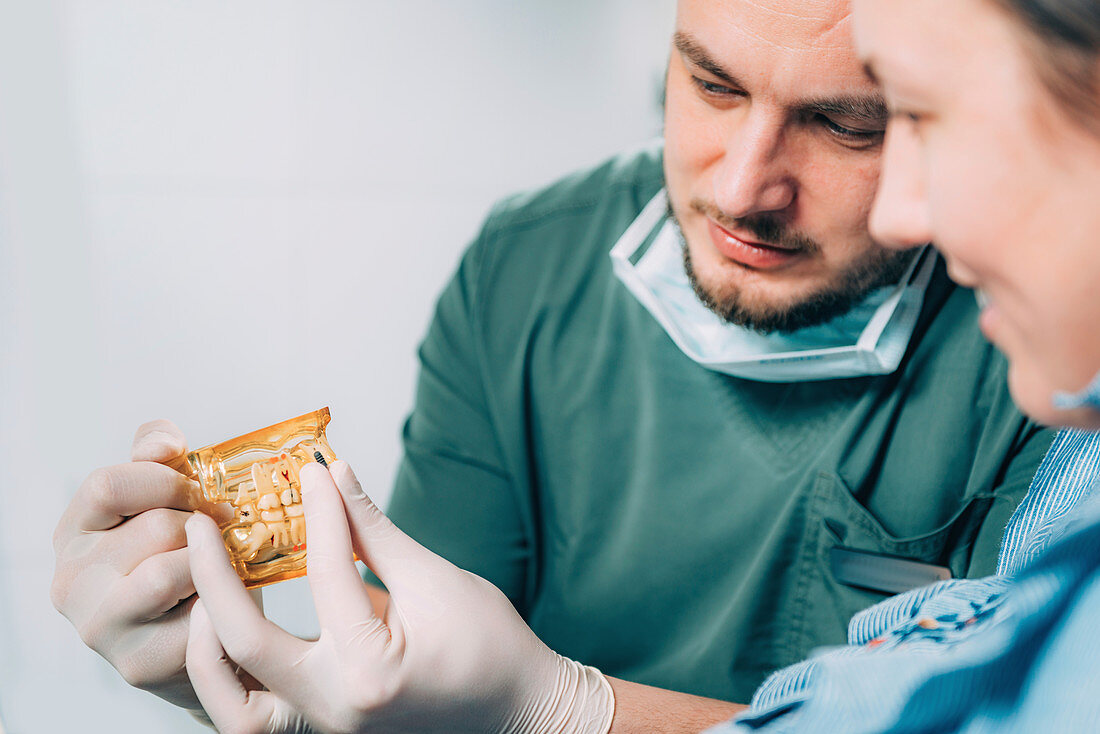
(749, 253)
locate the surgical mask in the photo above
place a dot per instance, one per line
(870, 339)
(1087, 398)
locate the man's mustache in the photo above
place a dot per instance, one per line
(765, 228)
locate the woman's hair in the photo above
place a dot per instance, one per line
(1062, 38)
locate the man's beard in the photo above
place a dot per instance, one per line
(879, 267)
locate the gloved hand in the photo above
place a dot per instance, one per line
(122, 576)
(451, 654)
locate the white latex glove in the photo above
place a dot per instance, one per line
(452, 654)
(122, 576)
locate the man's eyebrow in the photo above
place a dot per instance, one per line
(871, 108)
(698, 55)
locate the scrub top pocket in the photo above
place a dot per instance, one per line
(834, 519)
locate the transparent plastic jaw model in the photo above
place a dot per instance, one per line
(255, 480)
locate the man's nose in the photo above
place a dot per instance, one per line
(899, 217)
(754, 176)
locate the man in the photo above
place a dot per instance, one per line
(680, 501)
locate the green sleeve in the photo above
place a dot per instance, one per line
(453, 493)
(1031, 446)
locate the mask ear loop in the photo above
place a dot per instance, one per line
(653, 214)
(902, 307)
(638, 231)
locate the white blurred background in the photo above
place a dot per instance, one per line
(230, 213)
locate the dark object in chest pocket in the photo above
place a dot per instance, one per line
(882, 573)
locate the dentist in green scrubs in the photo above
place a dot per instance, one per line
(680, 409)
(684, 411)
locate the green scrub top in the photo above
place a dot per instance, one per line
(666, 523)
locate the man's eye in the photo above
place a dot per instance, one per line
(712, 89)
(851, 134)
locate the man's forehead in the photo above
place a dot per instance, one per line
(791, 24)
(793, 50)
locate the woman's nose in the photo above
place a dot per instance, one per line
(899, 217)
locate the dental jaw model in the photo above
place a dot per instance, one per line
(250, 486)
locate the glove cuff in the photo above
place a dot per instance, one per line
(580, 701)
(603, 708)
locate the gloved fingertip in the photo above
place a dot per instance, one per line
(193, 528)
(165, 442)
(223, 513)
(158, 441)
(347, 482)
(311, 473)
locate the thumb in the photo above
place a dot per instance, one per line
(399, 561)
(161, 441)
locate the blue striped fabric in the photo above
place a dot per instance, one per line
(952, 656)
(1062, 480)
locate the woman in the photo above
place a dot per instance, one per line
(993, 153)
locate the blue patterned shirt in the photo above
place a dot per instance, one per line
(1011, 652)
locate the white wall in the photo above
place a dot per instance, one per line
(229, 213)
